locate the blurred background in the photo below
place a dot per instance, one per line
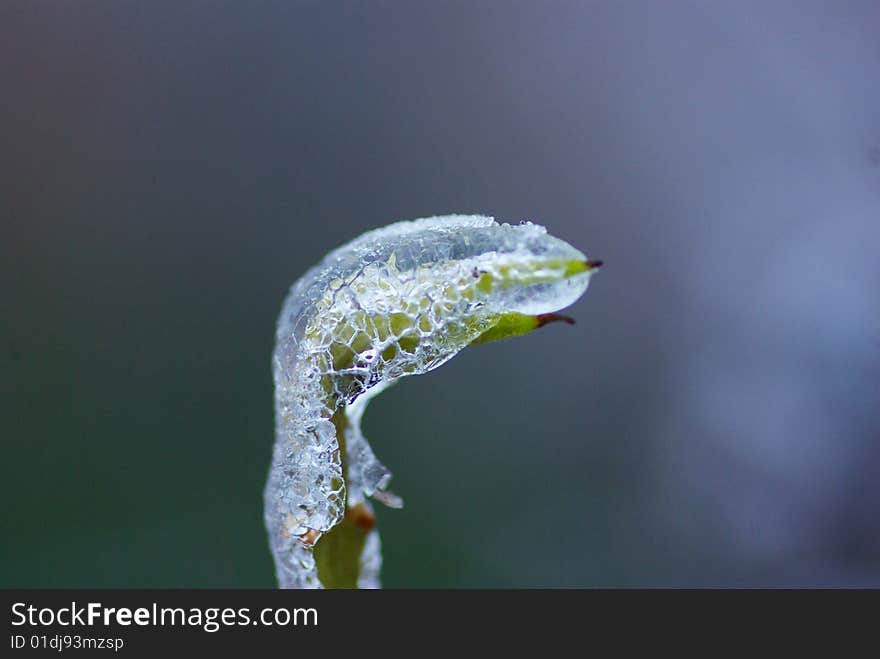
(167, 170)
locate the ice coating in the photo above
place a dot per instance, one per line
(397, 301)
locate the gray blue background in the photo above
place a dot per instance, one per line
(168, 169)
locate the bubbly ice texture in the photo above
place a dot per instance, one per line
(400, 300)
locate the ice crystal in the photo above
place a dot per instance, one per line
(397, 301)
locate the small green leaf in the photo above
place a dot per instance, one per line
(508, 325)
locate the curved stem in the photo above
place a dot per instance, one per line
(338, 552)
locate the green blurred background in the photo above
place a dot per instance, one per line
(169, 169)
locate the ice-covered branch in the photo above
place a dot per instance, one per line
(397, 301)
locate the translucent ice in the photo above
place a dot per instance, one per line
(397, 301)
